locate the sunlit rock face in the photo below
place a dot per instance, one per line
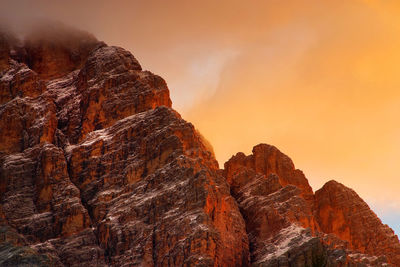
(97, 169)
(289, 226)
(267, 159)
(341, 211)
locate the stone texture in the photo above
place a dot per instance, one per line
(19, 80)
(269, 204)
(26, 122)
(288, 226)
(40, 202)
(15, 252)
(97, 169)
(114, 87)
(341, 211)
(155, 195)
(267, 159)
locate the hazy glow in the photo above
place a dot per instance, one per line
(318, 79)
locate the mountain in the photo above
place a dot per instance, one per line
(97, 169)
(288, 225)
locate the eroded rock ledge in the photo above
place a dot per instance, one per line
(97, 169)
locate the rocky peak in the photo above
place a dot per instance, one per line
(113, 86)
(271, 196)
(97, 169)
(341, 211)
(266, 160)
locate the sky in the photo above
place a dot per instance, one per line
(317, 79)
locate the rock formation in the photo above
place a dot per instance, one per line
(284, 219)
(97, 169)
(339, 210)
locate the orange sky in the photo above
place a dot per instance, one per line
(318, 79)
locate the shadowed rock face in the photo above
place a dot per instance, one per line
(97, 169)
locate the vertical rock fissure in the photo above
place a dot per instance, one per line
(93, 223)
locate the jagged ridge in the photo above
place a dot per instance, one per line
(275, 199)
(98, 169)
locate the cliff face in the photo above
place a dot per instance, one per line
(276, 201)
(342, 212)
(97, 169)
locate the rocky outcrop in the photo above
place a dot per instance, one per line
(289, 226)
(275, 211)
(266, 160)
(339, 210)
(42, 204)
(154, 193)
(19, 80)
(113, 86)
(97, 169)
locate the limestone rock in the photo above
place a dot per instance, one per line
(113, 87)
(19, 81)
(154, 193)
(289, 226)
(97, 169)
(267, 159)
(339, 210)
(42, 204)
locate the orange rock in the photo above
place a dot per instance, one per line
(101, 169)
(114, 87)
(26, 122)
(19, 81)
(339, 210)
(177, 202)
(269, 203)
(97, 169)
(39, 200)
(284, 222)
(267, 159)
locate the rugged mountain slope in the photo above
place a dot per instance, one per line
(285, 221)
(97, 169)
(342, 212)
